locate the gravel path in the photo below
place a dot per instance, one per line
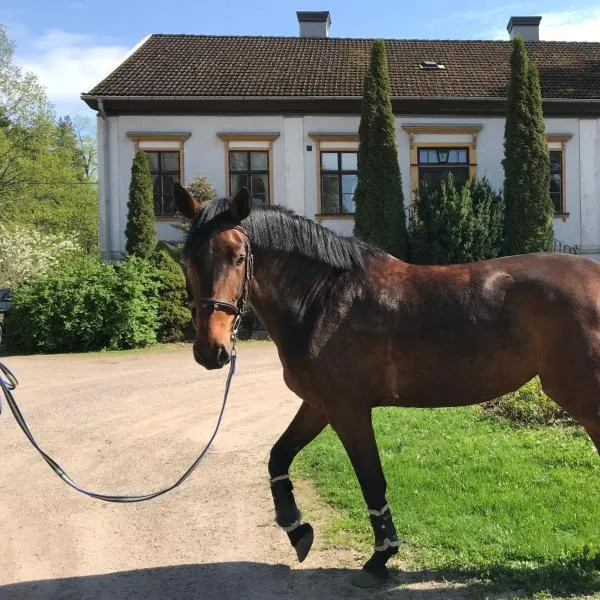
(131, 423)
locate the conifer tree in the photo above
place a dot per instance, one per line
(529, 210)
(380, 217)
(140, 230)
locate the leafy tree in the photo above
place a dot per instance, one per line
(41, 185)
(380, 217)
(140, 230)
(529, 208)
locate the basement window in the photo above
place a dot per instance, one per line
(431, 65)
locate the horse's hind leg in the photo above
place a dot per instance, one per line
(305, 426)
(355, 431)
(578, 392)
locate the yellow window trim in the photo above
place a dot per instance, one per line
(227, 138)
(156, 139)
(562, 139)
(330, 137)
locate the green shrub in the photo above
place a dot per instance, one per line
(173, 313)
(528, 406)
(451, 224)
(85, 305)
(134, 321)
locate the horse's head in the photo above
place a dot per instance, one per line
(218, 270)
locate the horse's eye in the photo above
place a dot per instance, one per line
(240, 260)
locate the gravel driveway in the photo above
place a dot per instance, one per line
(131, 423)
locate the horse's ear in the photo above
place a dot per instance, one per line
(187, 205)
(239, 207)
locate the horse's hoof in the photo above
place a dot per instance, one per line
(304, 539)
(368, 579)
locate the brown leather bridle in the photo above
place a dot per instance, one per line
(238, 309)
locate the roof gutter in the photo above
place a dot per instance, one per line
(100, 98)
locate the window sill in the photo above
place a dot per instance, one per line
(563, 216)
(321, 216)
(173, 218)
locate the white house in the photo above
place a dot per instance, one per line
(280, 115)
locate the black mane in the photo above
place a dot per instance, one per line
(279, 229)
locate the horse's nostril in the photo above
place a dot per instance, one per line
(222, 356)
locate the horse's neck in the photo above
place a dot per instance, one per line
(277, 285)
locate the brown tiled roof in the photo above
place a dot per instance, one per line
(209, 66)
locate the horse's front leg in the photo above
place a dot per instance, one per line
(305, 426)
(355, 431)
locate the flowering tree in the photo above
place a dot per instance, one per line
(27, 253)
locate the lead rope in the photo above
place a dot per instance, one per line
(11, 382)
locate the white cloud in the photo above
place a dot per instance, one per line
(67, 64)
(581, 25)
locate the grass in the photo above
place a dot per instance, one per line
(475, 497)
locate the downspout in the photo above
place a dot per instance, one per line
(106, 245)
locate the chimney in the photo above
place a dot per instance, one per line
(314, 24)
(527, 27)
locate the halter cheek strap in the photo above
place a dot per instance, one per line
(237, 309)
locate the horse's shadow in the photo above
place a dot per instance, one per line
(259, 581)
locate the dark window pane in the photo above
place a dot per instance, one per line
(329, 161)
(349, 184)
(330, 194)
(348, 204)
(170, 161)
(432, 176)
(260, 186)
(259, 200)
(555, 183)
(556, 161)
(152, 160)
(168, 200)
(349, 161)
(557, 202)
(238, 182)
(259, 161)
(238, 161)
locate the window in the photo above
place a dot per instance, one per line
(165, 169)
(249, 164)
(250, 169)
(557, 148)
(338, 182)
(435, 163)
(439, 148)
(164, 151)
(556, 180)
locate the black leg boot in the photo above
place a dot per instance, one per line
(375, 571)
(288, 516)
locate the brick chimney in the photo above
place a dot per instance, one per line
(314, 24)
(527, 27)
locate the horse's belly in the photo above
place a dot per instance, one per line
(453, 379)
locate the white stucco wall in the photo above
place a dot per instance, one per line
(294, 176)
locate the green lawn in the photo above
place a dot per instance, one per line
(475, 497)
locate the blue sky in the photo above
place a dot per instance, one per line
(71, 44)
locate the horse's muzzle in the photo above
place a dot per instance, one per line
(220, 358)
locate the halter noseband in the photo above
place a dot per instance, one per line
(237, 309)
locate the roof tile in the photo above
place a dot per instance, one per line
(233, 66)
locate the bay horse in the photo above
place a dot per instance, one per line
(356, 328)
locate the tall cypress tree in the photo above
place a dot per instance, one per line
(379, 217)
(528, 218)
(541, 235)
(140, 230)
